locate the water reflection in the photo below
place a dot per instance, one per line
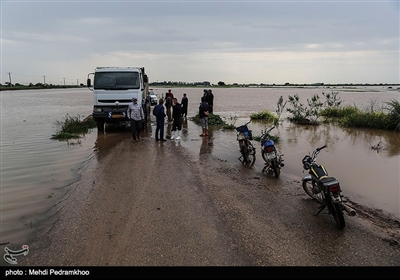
(168, 131)
(313, 135)
(206, 146)
(389, 141)
(107, 139)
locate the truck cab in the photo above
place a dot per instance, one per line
(113, 89)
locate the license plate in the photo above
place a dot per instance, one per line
(117, 116)
(271, 155)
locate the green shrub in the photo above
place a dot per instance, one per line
(299, 111)
(393, 115)
(275, 138)
(213, 120)
(375, 120)
(336, 112)
(230, 122)
(73, 127)
(331, 112)
(264, 115)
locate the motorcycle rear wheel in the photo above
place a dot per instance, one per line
(277, 170)
(338, 216)
(249, 158)
(308, 187)
(264, 156)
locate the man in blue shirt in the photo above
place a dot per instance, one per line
(159, 113)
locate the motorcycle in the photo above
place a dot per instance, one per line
(246, 147)
(324, 189)
(273, 160)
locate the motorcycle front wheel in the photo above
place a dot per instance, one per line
(308, 187)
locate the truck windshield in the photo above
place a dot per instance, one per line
(116, 80)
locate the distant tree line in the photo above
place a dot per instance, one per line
(16, 86)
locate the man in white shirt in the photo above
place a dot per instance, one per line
(136, 116)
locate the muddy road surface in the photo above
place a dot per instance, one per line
(149, 203)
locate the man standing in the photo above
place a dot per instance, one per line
(184, 103)
(210, 100)
(136, 116)
(177, 119)
(159, 113)
(203, 114)
(168, 105)
(170, 94)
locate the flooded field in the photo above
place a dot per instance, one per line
(35, 169)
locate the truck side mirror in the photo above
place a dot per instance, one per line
(89, 83)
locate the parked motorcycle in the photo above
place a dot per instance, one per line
(325, 189)
(246, 147)
(273, 160)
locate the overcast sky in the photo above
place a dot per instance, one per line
(189, 41)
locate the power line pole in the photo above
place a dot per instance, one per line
(64, 81)
(9, 76)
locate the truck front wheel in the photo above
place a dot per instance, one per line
(100, 125)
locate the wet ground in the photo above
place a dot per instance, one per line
(148, 203)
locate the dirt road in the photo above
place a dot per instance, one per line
(148, 203)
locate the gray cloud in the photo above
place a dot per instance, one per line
(245, 42)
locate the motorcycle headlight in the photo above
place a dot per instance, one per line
(306, 159)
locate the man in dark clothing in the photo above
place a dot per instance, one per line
(184, 104)
(168, 105)
(177, 120)
(159, 113)
(170, 94)
(203, 114)
(210, 100)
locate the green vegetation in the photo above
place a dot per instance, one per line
(217, 121)
(351, 116)
(280, 106)
(36, 86)
(275, 138)
(393, 106)
(304, 114)
(230, 122)
(358, 118)
(73, 127)
(387, 118)
(264, 115)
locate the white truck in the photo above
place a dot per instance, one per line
(113, 89)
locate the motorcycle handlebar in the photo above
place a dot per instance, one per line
(319, 149)
(316, 152)
(270, 129)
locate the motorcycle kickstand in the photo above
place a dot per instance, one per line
(322, 207)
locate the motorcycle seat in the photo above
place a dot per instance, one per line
(328, 181)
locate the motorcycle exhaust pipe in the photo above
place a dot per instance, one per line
(349, 210)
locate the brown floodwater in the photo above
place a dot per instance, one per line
(35, 170)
